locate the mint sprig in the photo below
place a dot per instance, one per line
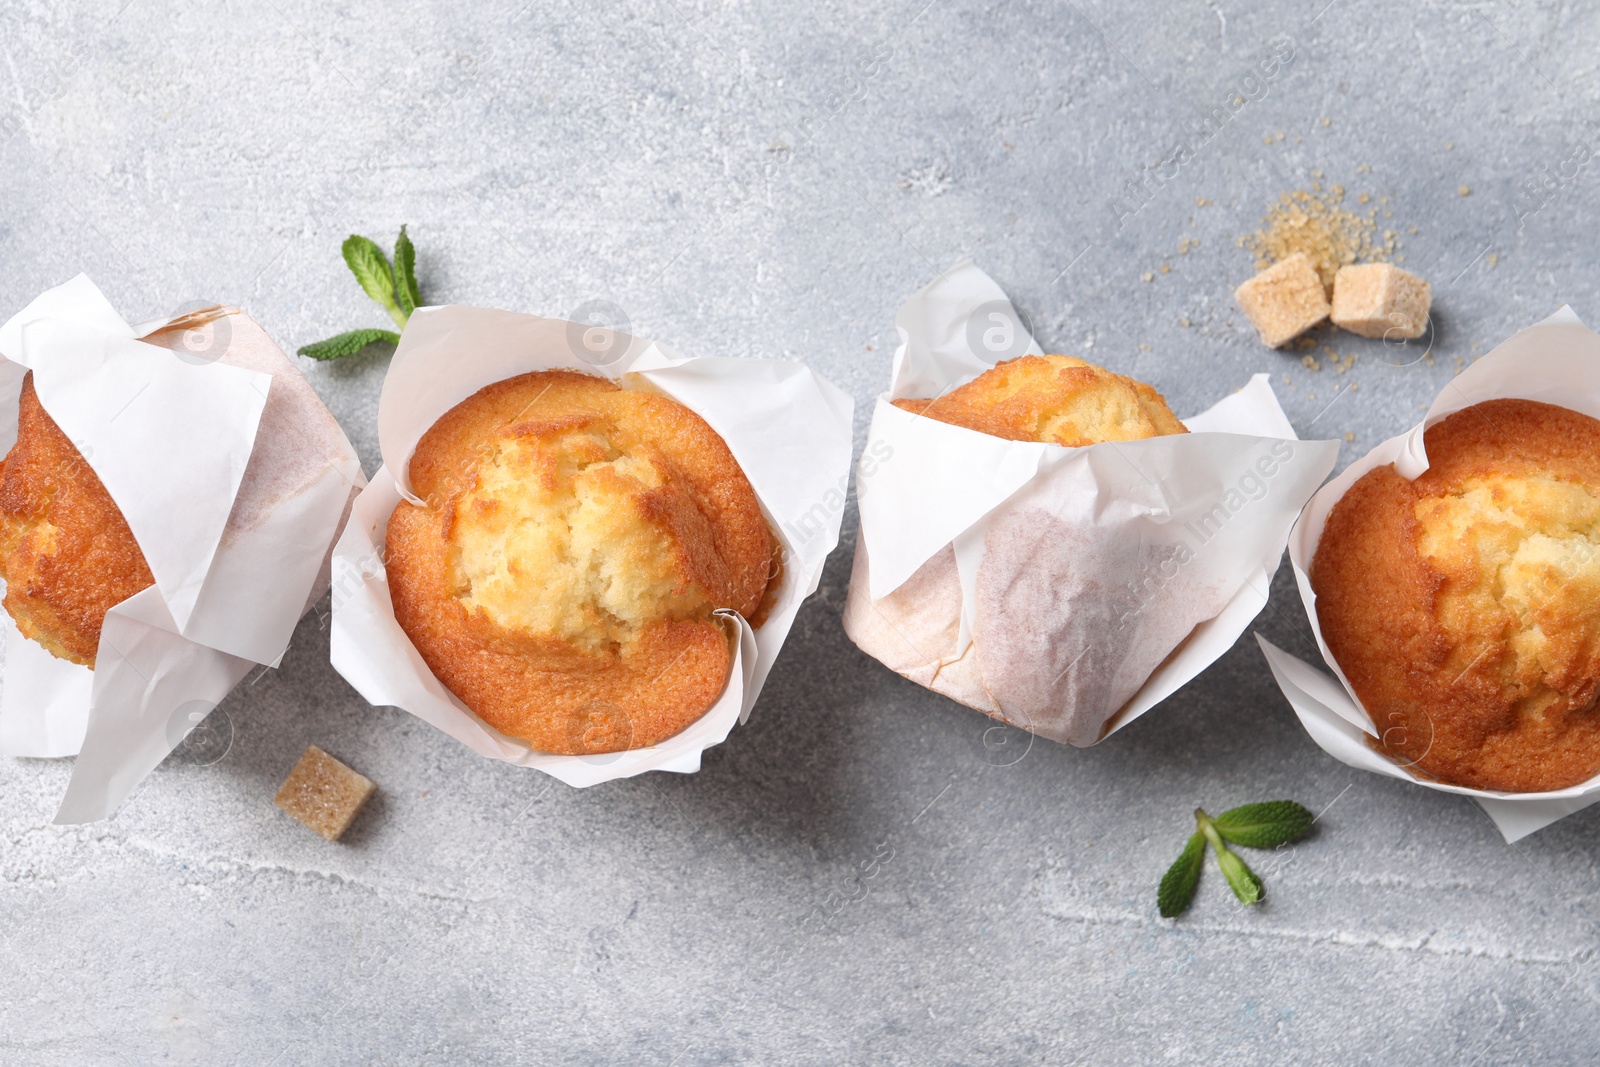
(1266, 825)
(392, 286)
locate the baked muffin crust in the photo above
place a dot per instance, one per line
(575, 541)
(1464, 607)
(66, 552)
(1057, 399)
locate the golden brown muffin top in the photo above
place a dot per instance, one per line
(576, 540)
(1464, 606)
(66, 552)
(1057, 399)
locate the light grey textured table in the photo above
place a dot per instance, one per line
(759, 180)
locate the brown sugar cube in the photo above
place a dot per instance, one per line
(1380, 300)
(323, 793)
(1285, 300)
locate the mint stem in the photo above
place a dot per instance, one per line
(1241, 879)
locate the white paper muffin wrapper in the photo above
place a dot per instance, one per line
(925, 486)
(1557, 362)
(787, 426)
(233, 478)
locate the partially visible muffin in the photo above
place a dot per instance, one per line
(66, 552)
(1464, 606)
(576, 539)
(1056, 399)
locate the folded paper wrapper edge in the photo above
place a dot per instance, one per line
(919, 634)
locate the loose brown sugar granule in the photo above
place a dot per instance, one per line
(1312, 222)
(323, 793)
(1339, 361)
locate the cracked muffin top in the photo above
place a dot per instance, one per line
(1464, 606)
(575, 540)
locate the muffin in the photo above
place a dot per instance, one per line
(1047, 594)
(561, 576)
(1464, 607)
(66, 552)
(1056, 399)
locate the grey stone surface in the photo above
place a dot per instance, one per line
(856, 876)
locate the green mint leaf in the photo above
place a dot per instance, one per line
(346, 344)
(1178, 884)
(1243, 881)
(405, 274)
(371, 268)
(1266, 825)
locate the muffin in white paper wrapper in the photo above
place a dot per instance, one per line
(1557, 362)
(788, 428)
(1062, 590)
(233, 478)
